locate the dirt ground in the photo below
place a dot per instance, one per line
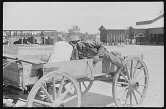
(154, 58)
(100, 94)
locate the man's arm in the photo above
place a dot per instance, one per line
(113, 57)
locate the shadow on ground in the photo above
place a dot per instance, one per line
(96, 100)
(88, 100)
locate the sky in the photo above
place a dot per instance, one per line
(89, 16)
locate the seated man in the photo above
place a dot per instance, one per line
(87, 49)
(93, 49)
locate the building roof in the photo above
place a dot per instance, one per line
(157, 22)
(116, 31)
(114, 28)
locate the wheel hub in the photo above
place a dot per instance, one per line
(133, 84)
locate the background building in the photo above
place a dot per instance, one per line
(44, 37)
(113, 36)
(150, 32)
(32, 36)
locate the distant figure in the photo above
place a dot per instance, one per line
(42, 40)
(62, 51)
(18, 41)
(38, 40)
(31, 40)
(26, 41)
(49, 41)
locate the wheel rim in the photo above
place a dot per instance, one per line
(129, 86)
(55, 90)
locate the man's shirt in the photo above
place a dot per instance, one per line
(88, 49)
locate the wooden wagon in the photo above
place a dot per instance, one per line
(64, 83)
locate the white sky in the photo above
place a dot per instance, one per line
(89, 16)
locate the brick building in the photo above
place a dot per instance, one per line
(150, 32)
(113, 36)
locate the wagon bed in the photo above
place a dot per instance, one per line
(30, 53)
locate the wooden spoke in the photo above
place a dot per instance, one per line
(80, 84)
(131, 68)
(54, 89)
(130, 98)
(127, 96)
(135, 96)
(42, 102)
(141, 85)
(135, 69)
(138, 92)
(118, 85)
(122, 92)
(124, 76)
(140, 67)
(127, 73)
(61, 85)
(122, 83)
(127, 68)
(84, 85)
(47, 94)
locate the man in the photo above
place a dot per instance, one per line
(95, 50)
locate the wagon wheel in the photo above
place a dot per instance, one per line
(85, 85)
(130, 84)
(55, 90)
